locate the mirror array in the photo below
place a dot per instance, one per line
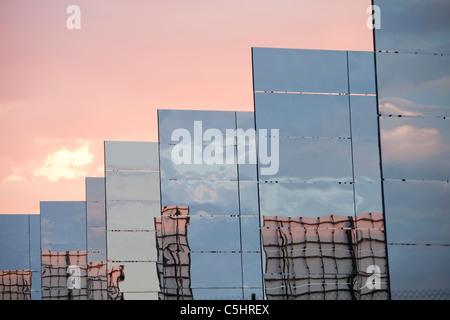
(20, 257)
(413, 63)
(336, 187)
(132, 204)
(322, 216)
(218, 197)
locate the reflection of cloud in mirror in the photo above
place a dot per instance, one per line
(205, 193)
(401, 106)
(414, 25)
(211, 197)
(408, 143)
(440, 84)
(423, 79)
(308, 200)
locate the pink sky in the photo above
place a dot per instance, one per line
(63, 92)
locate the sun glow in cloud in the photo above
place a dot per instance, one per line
(66, 164)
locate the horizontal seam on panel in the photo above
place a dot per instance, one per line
(131, 230)
(130, 261)
(406, 180)
(223, 251)
(439, 54)
(304, 182)
(203, 180)
(140, 200)
(315, 273)
(137, 170)
(241, 287)
(61, 288)
(156, 201)
(274, 248)
(204, 143)
(311, 137)
(213, 287)
(419, 244)
(138, 292)
(217, 215)
(322, 228)
(317, 93)
(388, 115)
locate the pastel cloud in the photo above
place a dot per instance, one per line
(401, 106)
(408, 143)
(66, 164)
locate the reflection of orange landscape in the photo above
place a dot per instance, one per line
(95, 282)
(15, 284)
(324, 257)
(174, 261)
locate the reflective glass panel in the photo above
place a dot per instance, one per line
(35, 242)
(202, 197)
(245, 120)
(247, 171)
(250, 233)
(171, 120)
(248, 198)
(417, 212)
(132, 215)
(252, 270)
(323, 257)
(140, 295)
(303, 115)
(14, 261)
(131, 246)
(95, 214)
(15, 258)
(415, 148)
(419, 272)
(63, 225)
(96, 239)
(15, 243)
(361, 69)
(95, 189)
(366, 160)
(310, 160)
(222, 165)
(64, 294)
(306, 199)
(13, 223)
(130, 155)
(137, 277)
(253, 294)
(413, 26)
(217, 294)
(128, 185)
(213, 270)
(364, 115)
(368, 197)
(413, 84)
(299, 70)
(213, 233)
